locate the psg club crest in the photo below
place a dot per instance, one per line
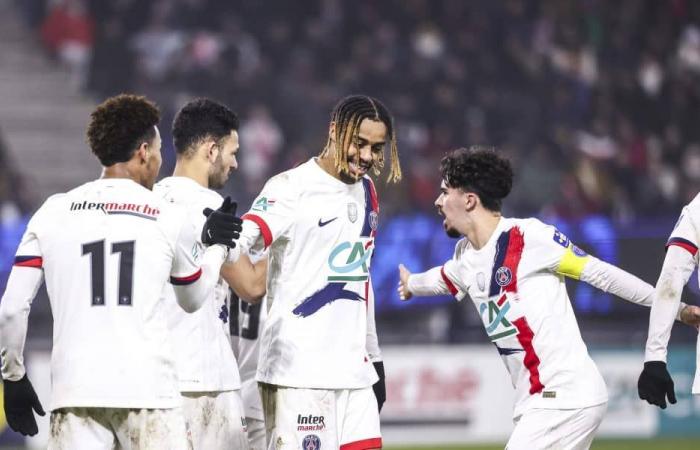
(352, 212)
(373, 220)
(503, 276)
(311, 442)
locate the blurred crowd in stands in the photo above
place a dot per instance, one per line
(596, 101)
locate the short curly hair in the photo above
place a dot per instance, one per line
(480, 170)
(201, 119)
(119, 125)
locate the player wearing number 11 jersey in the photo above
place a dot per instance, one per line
(106, 250)
(513, 270)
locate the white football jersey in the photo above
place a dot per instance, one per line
(685, 235)
(320, 233)
(205, 361)
(107, 248)
(516, 282)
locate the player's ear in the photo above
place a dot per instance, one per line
(212, 150)
(471, 200)
(143, 152)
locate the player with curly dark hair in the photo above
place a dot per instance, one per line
(514, 271)
(117, 124)
(107, 249)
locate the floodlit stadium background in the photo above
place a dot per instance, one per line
(596, 102)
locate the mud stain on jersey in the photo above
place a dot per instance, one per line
(207, 412)
(57, 428)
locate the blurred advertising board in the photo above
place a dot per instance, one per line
(462, 394)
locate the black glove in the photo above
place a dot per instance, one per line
(379, 387)
(222, 226)
(655, 384)
(20, 399)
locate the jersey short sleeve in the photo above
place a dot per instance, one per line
(551, 250)
(452, 272)
(685, 234)
(274, 208)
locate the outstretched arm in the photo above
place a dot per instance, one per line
(432, 282)
(614, 280)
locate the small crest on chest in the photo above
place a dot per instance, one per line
(352, 212)
(503, 276)
(481, 281)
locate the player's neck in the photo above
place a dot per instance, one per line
(482, 228)
(328, 165)
(121, 170)
(183, 169)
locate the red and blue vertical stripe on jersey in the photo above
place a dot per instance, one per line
(336, 291)
(35, 262)
(504, 279)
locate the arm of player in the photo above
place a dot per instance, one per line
(372, 345)
(247, 280)
(614, 280)
(192, 291)
(22, 286)
(220, 230)
(677, 268)
(429, 283)
(373, 351)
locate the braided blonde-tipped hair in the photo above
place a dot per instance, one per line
(347, 116)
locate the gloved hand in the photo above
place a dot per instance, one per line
(20, 399)
(655, 384)
(379, 387)
(222, 226)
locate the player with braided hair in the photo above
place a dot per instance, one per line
(319, 355)
(345, 126)
(514, 270)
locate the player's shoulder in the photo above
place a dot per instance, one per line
(51, 207)
(535, 230)
(288, 181)
(62, 200)
(185, 191)
(694, 205)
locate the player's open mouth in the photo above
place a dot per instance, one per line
(359, 169)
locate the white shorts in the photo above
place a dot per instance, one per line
(561, 429)
(215, 420)
(314, 419)
(256, 433)
(117, 428)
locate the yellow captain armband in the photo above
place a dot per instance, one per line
(572, 262)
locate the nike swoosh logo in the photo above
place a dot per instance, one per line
(321, 223)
